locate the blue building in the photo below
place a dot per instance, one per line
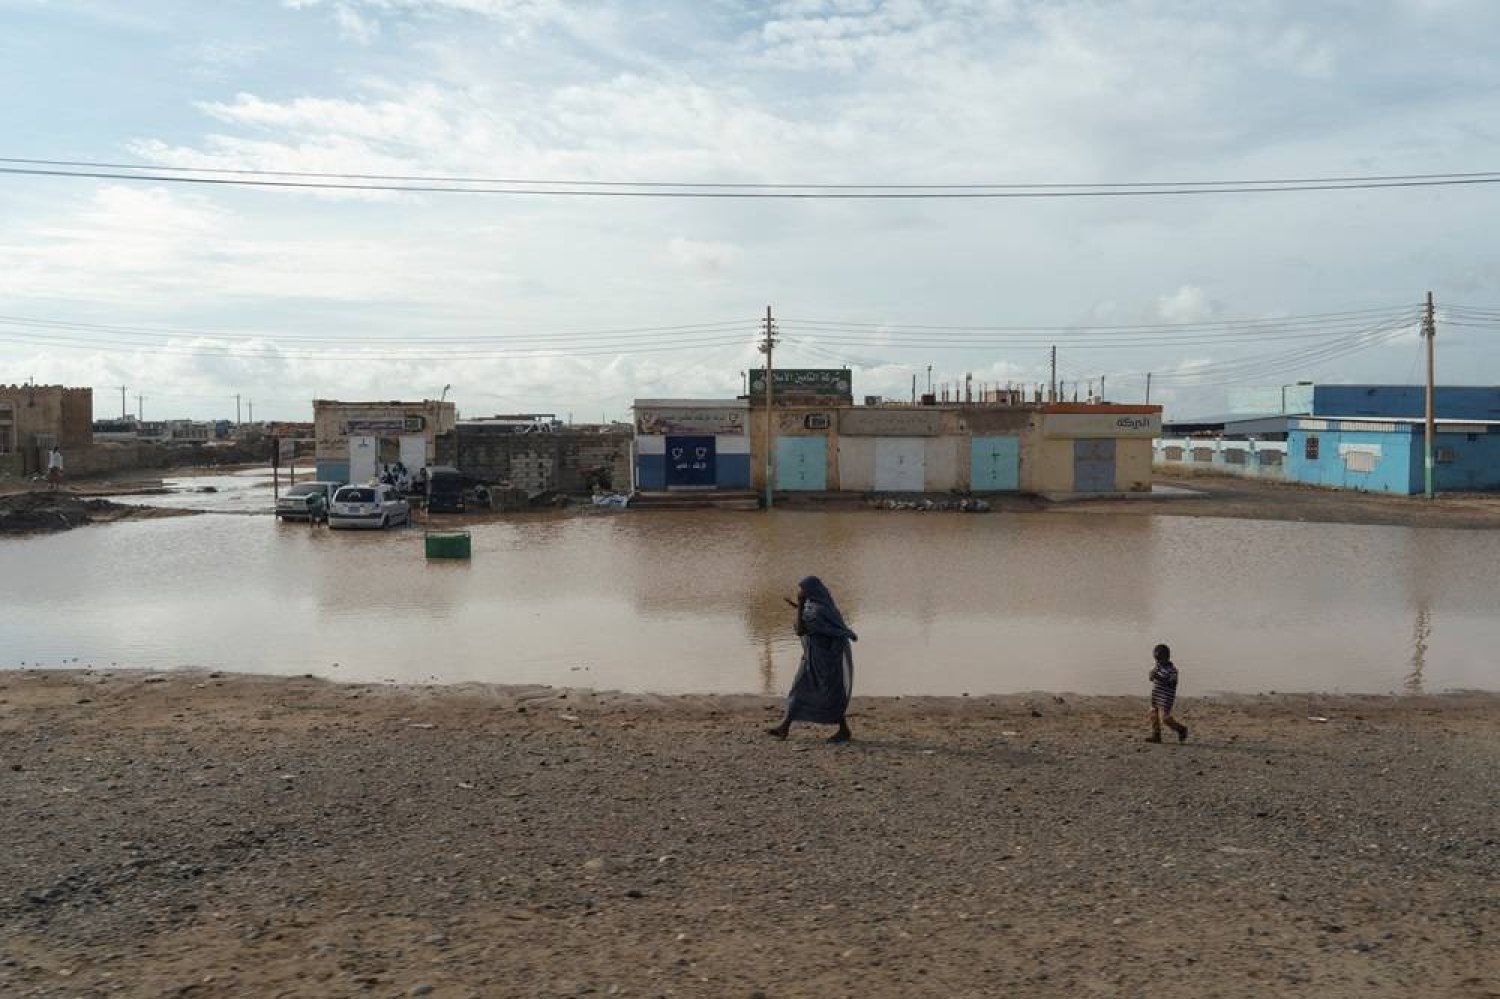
(1386, 454)
(692, 444)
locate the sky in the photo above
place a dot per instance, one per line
(188, 295)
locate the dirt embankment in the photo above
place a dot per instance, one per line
(205, 835)
(1249, 499)
(43, 511)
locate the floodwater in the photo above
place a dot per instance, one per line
(692, 601)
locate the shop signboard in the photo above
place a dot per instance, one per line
(709, 420)
(1102, 425)
(396, 424)
(822, 383)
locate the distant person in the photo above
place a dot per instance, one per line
(419, 484)
(1163, 694)
(483, 497)
(385, 476)
(54, 467)
(825, 679)
(317, 508)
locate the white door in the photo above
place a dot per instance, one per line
(899, 467)
(364, 453)
(413, 452)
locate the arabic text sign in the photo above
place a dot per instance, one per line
(718, 422)
(1102, 425)
(805, 381)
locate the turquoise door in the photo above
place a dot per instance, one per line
(802, 463)
(995, 464)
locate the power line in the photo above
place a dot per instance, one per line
(798, 192)
(553, 182)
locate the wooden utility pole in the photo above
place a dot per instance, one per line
(1052, 382)
(767, 346)
(1429, 330)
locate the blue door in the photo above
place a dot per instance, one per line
(802, 463)
(690, 462)
(1094, 466)
(995, 464)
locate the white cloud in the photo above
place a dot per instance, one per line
(354, 26)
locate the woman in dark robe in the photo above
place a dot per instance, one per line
(825, 679)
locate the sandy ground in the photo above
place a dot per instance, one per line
(1248, 499)
(212, 835)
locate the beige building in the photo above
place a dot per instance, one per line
(355, 438)
(34, 418)
(1055, 448)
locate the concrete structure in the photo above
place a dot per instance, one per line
(34, 418)
(355, 438)
(1052, 448)
(692, 444)
(1371, 429)
(1251, 459)
(564, 460)
(1387, 455)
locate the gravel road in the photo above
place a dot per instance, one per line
(195, 834)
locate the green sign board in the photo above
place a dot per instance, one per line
(824, 383)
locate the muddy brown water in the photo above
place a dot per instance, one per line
(692, 601)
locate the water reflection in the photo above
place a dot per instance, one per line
(694, 601)
(1421, 632)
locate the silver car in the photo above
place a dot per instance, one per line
(368, 506)
(300, 501)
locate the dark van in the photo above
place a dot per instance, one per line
(445, 490)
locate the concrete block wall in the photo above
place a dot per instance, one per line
(540, 462)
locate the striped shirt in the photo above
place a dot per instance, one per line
(1163, 685)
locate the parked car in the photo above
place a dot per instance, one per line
(368, 506)
(445, 490)
(298, 502)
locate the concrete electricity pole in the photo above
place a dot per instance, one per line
(1429, 331)
(140, 407)
(251, 404)
(767, 346)
(1148, 388)
(236, 409)
(1052, 382)
(122, 401)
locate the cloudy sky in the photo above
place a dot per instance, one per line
(188, 294)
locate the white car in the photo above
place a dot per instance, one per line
(368, 506)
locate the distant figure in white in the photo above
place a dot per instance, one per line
(54, 467)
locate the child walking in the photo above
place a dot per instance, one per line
(1163, 693)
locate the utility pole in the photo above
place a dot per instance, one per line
(1148, 390)
(1052, 382)
(1101, 388)
(251, 404)
(914, 388)
(140, 407)
(236, 409)
(1429, 330)
(122, 401)
(929, 379)
(767, 346)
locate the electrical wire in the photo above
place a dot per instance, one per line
(799, 192)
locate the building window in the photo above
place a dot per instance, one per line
(1473, 438)
(7, 429)
(1445, 456)
(1310, 449)
(1360, 461)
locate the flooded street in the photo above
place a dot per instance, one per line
(692, 601)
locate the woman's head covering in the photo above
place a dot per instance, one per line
(812, 587)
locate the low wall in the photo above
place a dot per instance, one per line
(1247, 459)
(560, 461)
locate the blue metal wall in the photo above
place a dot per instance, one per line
(1393, 472)
(1475, 464)
(1451, 402)
(734, 471)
